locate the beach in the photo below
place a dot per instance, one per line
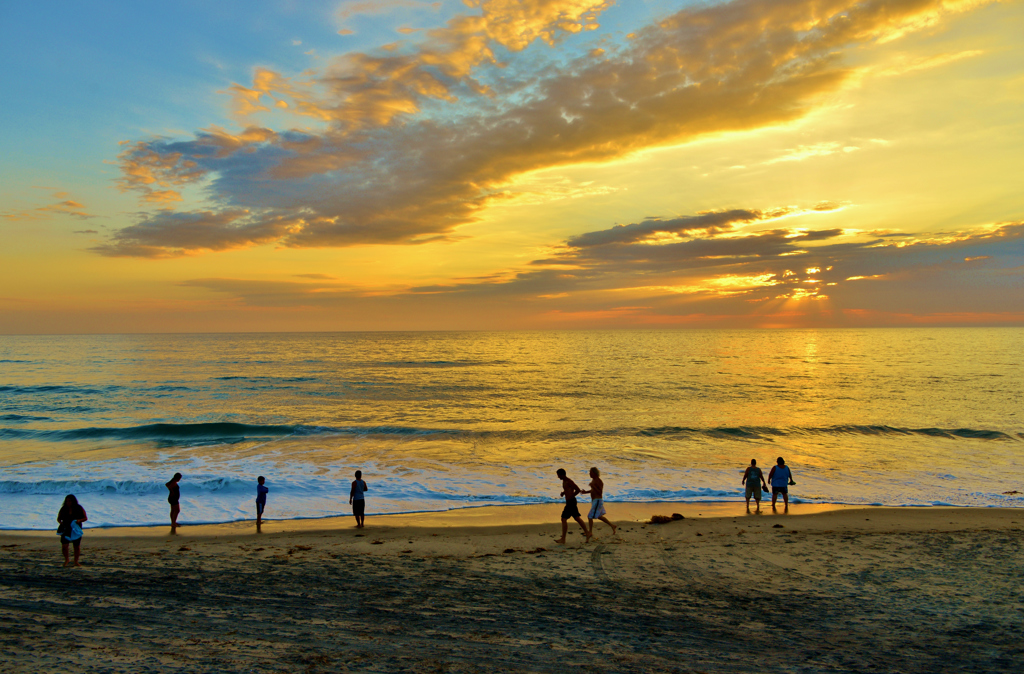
(823, 588)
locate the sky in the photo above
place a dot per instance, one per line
(276, 165)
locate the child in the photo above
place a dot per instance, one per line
(569, 491)
(596, 492)
(261, 500)
(357, 500)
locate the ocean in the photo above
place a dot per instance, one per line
(437, 421)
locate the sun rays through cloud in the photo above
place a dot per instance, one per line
(765, 162)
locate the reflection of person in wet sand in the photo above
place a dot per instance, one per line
(571, 509)
(596, 492)
(780, 477)
(172, 498)
(752, 476)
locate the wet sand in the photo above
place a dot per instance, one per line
(823, 588)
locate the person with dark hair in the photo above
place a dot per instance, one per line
(780, 478)
(753, 477)
(69, 525)
(571, 509)
(174, 494)
(261, 500)
(357, 500)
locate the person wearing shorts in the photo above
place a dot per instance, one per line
(571, 509)
(357, 500)
(753, 477)
(596, 492)
(69, 520)
(261, 500)
(780, 478)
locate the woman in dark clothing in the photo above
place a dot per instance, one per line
(70, 519)
(172, 498)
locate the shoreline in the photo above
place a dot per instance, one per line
(491, 515)
(470, 517)
(484, 520)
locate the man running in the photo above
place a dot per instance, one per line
(596, 492)
(571, 509)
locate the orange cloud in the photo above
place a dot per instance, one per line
(62, 206)
(417, 140)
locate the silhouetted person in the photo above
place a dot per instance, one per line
(571, 509)
(357, 500)
(261, 500)
(69, 520)
(172, 497)
(596, 492)
(753, 477)
(780, 478)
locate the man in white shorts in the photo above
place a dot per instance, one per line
(596, 492)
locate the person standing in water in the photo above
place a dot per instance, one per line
(357, 500)
(753, 477)
(596, 492)
(69, 520)
(571, 509)
(174, 494)
(780, 478)
(261, 501)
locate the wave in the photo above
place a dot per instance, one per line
(214, 431)
(233, 432)
(59, 388)
(23, 417)
(121, 487)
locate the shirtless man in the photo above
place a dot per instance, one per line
(571, 509)
(596, 492)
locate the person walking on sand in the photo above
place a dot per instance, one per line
(69, 525)
(753, 477)
(174, 494)
(780, 478)
(357, 500)
(596, 492)
(571, 509)
(261, 500)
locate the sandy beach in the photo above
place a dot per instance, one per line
(824, 588)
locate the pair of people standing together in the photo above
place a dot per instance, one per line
(780, 478)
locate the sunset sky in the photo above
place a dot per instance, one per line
(510, 164)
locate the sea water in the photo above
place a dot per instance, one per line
(438, 421)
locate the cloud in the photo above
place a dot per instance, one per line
(62, 205)
(85, 231)
(416, 139)
(169, 234)
(717, 256)
(726, 277)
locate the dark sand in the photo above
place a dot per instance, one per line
(855, 590)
